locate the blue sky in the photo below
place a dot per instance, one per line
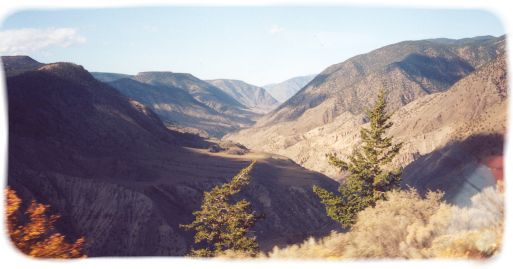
(259, 45)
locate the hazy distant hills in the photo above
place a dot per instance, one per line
(189, 104)
(119, 177)
(255, 98)
(177, 108)
(199, 89)
(284, 90)
(441, 91)
(109, 77)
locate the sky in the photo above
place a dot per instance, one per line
(259, 45)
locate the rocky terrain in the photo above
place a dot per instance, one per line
(282, 91)
(255, 98)
(119, 177)
(440, 106)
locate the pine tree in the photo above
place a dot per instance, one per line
(368, 177)
(221, 226)
(33, 232)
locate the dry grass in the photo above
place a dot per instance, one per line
(409, 226)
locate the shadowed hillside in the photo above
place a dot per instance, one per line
(188, 104)
(124, 181)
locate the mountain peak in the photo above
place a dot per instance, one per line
(19, 63)
(18, 59)
(67, 71)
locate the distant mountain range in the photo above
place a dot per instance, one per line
(188, 104)
(107, 164)
(109, 77)
(327, 113)
(284, 90)
(255, 98)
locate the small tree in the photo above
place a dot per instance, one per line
(34, 233)
(224, 227)
(368, 177)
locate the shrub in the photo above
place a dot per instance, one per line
(34, 233)
(406, 225)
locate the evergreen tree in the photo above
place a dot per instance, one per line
(221, 226)
(368, 177)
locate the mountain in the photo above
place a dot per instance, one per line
(255, 98)
(177, 108)
(284, 90)
(451, 138)
(407, 70)
(429, 122)
(235, 113)
(119, 177)
(184, 102)
(202, 91)
(17, 64)
(109, 77)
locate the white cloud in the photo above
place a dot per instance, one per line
(276, 29)
(29, 40)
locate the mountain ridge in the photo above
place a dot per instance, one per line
(282, 91)
(343, 84)
(253, 97)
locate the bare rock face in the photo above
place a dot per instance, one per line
(119, 177)
(472, 109)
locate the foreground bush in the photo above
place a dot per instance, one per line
(33, 232)
(406, 225)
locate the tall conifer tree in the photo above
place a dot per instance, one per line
(221, 226)
(368, 177)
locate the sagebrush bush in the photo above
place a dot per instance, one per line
(406, 225)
